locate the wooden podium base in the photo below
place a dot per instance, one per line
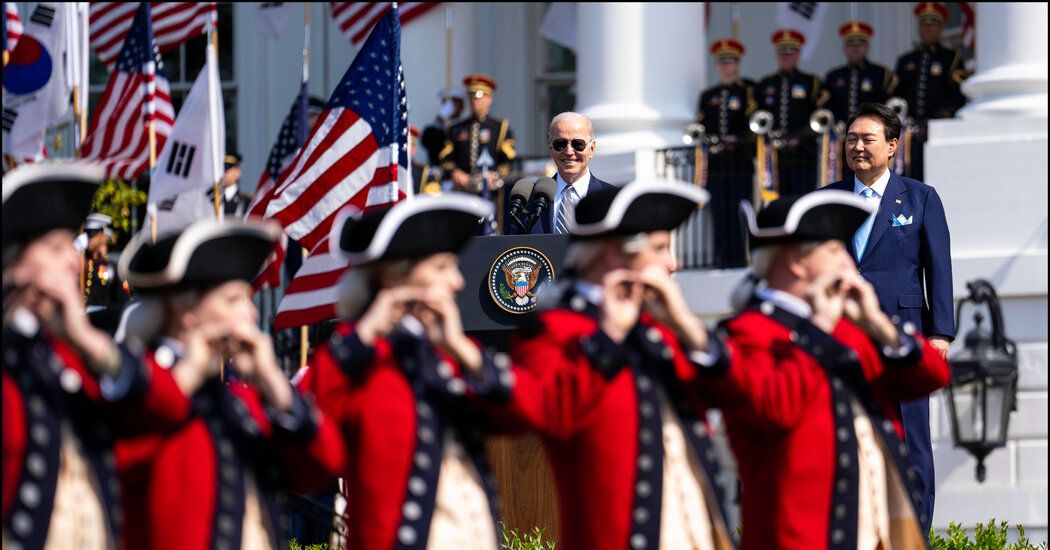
(525, 483)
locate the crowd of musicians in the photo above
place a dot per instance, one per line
(182, 432)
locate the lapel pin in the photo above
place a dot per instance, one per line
(898, 201)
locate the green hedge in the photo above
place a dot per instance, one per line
(992, 536)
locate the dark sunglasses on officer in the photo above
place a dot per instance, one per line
(577, 144)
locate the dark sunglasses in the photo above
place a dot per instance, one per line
(578, 144)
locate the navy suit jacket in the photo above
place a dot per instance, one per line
(545, 226)
(898, 260)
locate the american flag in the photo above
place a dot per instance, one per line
(286, 145)
(353, 157)
(12, 26)
(173, 24)
(969, 25)
(356, 19)
(135, 94)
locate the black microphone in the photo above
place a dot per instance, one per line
(542, 197)
(516, 214)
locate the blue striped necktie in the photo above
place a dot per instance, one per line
(568, 204)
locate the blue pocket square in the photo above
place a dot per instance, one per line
(899, 220)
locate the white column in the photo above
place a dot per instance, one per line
(639, 71)
(1011, 62)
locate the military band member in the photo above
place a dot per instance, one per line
(930, 76)
(104, 292)
(619, 360)
(233, 202)
(791, 96)
(724, 111)
(425, 176)
(433, 136)
(479, 132)
(811, 397)
(858, 81)
(68, 391)
(400, 378)
(219, 479)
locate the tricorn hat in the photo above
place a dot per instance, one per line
(816, 216)
(38, 198)
(409, 229)
(204, 254)
(638, 207)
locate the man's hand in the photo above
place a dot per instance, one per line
(254, 358)
(941, 344)
(663, 299)
(385, 312)
(621, 304)
(461, 179)
(825, 295)
(202, 359)
(444, 328)
(862, 309)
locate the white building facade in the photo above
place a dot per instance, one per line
(638, 71)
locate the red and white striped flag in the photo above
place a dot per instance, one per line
(12, 26)
(118, 136)
(355, 155)
(356, 19)
(173, 24)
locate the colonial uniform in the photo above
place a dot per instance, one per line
(218, 479)
(467, 139)
(930, 78)
(792, 96)
(418, 477)
(60, 419)
(851, 85)
(724, 110)
(622, 424)
(812, 417)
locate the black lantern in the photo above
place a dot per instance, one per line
(983, 387)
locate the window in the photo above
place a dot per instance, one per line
(556, 86)
(181, 67)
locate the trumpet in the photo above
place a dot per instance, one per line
(899, 106)
(821, 121)
(761, 122)
(693, 133)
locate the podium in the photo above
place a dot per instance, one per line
(518, 462)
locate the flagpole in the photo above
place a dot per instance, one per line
(394, 153)
(448, 50)
(213, 31)
(304, 331)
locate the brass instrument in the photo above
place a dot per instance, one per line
(821, 121)
(899, 106)
(693, 133)
(761, 122)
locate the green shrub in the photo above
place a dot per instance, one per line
(512, 540)
(294, 545)
(992, 536)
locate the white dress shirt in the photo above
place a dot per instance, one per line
(791, 303)
(580, 186)
(879, 187)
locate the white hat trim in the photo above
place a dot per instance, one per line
(624, 198)
(797, 210)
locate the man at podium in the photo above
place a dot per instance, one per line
(620, 363)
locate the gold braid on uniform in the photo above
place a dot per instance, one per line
(89, 278)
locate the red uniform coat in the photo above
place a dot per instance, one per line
(187, 486)
(394, 403)
(596, 405)
(786, 402)
(45, 384)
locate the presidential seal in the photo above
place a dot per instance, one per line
(517, 276)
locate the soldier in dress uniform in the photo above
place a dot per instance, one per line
(68, 391)
(400, 380)
(858, 81)
(811, 396)
(469, 137)
(234, 202)
(791, 96)
(104, 292)
(425, 176)
(621, 364)
(930, 76)
(433, 137)
(219, 479)
(724, 110)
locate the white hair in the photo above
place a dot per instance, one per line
(581, 254)
(569, 115)
(762, 261)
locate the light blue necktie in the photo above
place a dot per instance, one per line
(860, 238)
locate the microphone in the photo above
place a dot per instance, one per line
(542, 197)
(517, 215)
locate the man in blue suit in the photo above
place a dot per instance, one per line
(571, 144)
(902, 248)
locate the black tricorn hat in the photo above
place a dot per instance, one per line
(817, 216)
(38, 198)
(206, 253)
(638, 207)
(410, 229)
